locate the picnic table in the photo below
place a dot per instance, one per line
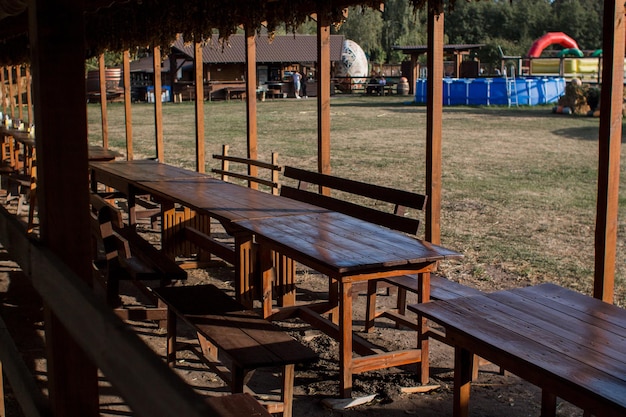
(569, 344)
(345, 248)
(348, 250)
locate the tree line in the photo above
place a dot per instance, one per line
(510, 26)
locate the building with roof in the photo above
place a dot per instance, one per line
(224, 64)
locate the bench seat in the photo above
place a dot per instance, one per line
(226, 330)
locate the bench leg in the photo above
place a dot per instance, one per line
(287, 394)
(401, 303)
(237, 382)
(171, 338)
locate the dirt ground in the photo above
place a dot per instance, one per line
(493, 395)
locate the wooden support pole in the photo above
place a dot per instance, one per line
(103, 101)
(29, 96)
(128, 117)
(11, 101)
(198, 65)
(434, 113)
(57, 47)
(18, 79)
(323, 94)
(158, 105)
(3, 80)
(610, 137)
(251, 104)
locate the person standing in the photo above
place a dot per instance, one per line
(296, 77)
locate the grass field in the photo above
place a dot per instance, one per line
(519, 184)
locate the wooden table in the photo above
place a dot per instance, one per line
(348, 250)
(570, 345)
(226, 202)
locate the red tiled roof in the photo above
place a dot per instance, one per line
(286, 48)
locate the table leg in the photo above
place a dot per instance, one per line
(423, 296)
(244, 269)
(463, 363)
(548, 404)
(168, 222)
(345, 339)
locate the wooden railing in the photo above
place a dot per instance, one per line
(150, 390)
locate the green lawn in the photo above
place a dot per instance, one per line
(519, 184)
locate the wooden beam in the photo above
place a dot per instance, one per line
(158, 105)
(103, 101)
(323, 95)
(18, 77)
(251, 104)
(11, 102)
(128, 116)
(434, 111)
(57, 47)
(140, 376)
(3, 80)
(29, 96)
(610, 137)
(198, 65)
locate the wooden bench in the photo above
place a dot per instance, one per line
(237, 405)
(120, 254)
(441, 288)
(226, 330)
(251, 166)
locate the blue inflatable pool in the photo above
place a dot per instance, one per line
(523, 91)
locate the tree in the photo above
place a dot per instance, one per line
(364, 26)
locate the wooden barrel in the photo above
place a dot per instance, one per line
(403, 87)
(113, 77)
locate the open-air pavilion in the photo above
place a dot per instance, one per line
(55, 36)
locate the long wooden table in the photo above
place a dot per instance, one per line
(226, 202)
(349, 250)
(569, 344)
(346, 249)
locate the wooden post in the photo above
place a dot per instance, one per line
(18, 78)
(251, 104)
(158, 105)
(57, 47)
(323, 95)
(29, 96)
(3, 80)
(610, 137)
(434, 121)
(11, 102)
(128, 105)
(103, 100)
(199, 85)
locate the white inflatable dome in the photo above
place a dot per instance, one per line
(353, 61)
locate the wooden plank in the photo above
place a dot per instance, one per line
(4, 88)
(198, 66)
(107, 340)
(29, 95)
(18, 76)
(251, 104)
(11, 95)
(158, 106)
(610, 137)
(103, 100)
(29, 396)
(209, 244)
(237, 405)
(323, 93)
(56, 34)
(434, 111)
(128, 116)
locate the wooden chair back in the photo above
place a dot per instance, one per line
(400, 199)
(252, 170)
